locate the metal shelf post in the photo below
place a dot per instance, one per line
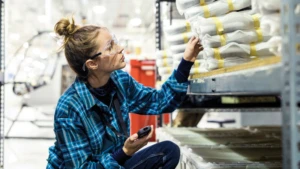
(2, 60)
(290, 23)
(158, 45)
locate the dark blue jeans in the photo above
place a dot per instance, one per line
(163, 155)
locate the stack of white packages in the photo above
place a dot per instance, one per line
(177, 35)
(229, 37)
(164, 62)
(270, 9)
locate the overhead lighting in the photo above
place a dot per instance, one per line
(135, 22)
(99, 9)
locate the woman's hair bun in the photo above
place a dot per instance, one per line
(65, 27)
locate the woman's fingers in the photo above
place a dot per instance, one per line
(191, 40)
(150, 134)
(133, 137)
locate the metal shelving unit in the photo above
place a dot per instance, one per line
(158, 44)
(257, 81)
(2, 51)
(290, 92)
(158, 36)
(279, 79)
(231, 110)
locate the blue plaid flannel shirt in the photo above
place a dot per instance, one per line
(82, 139)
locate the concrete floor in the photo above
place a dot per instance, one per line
(26, 153)
(29, 134)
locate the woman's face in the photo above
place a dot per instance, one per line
(112, 57)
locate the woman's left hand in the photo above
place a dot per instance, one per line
(133, 144)
(192, 49)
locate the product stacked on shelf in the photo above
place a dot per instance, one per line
(231, 34)
(257, 147)
(177, 36)
(270, 10)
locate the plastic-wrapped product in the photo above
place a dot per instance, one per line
(269, 6)
(180, 38)
(297, 9)
(176, 49)
(217, 8)
(167, 62)
(179, 56)
(199, 63)
(182, 5)
(226, 24)
(198, 70)
(238, 50)
(254, 6)
(179, 28)
(239, 36)
(163, 54)
(276, 43)
(271, 23)
(213, 63)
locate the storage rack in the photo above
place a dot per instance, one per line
(158, 36)
(290, 30)
(2, 51)
(281, 78)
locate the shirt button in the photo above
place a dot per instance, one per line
(111, 118)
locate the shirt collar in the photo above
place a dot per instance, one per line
(85, 95)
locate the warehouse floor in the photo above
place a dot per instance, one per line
(26, 153)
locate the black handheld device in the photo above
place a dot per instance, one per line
(144, 131)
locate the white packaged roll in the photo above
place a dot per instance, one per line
(239, 36)
(271, 23)
(165, 70)
(199, 63)
(167, 62)
(213, 63)
(163, 54)
(276, 43)
(254, 6)
(179, 56)
(217, 8)
(180, 38)
(238, 50)
(198, 70)
(182, 5)
(176, 49)
(179, 28)
(226, 24)
(269, 6)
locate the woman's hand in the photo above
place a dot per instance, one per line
(133, 144)
(192, 49)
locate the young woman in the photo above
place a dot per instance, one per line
(91, 120)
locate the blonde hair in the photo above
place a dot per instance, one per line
(79, 43)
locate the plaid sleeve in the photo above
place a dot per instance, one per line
(76, 149)
(146, 100)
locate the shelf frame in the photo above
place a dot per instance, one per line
(290, 30)
(244, 82)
